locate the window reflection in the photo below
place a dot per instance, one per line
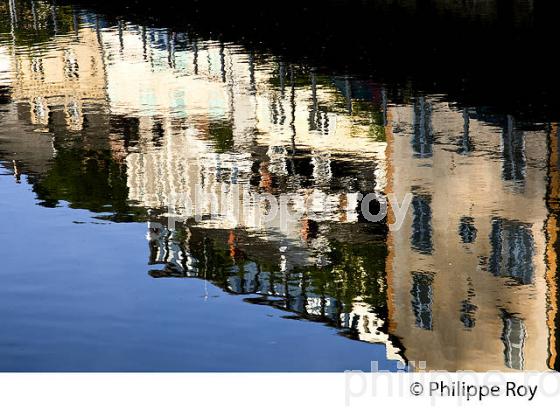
(421, 238)
(512, 250)
(423, 137)
(513, 336)
(467, 230)
(422, 299)
(468, 308)
(465, 144)
(513, 148)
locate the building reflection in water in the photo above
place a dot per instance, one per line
(133, 117)
(484, 303)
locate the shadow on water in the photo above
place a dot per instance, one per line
(494, 54)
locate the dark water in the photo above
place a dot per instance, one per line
(109, 117)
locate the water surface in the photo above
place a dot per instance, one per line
(107, 122)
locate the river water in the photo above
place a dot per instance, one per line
(109, 125)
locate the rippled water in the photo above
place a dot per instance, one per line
(106, 124)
